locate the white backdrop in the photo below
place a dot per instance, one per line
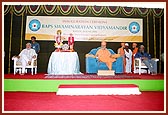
(85, 28)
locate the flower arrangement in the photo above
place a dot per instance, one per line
(58, 45)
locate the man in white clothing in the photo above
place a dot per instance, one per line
(25, 56)
(128, 57)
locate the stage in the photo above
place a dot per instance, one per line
(39, 93)
(42, 82)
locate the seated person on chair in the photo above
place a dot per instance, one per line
(25, 56)
(146, 59)
(104, 55)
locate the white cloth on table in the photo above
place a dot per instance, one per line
(25, 56)
(63, 63)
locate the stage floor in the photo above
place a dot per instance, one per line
(50, 83)
(49, 101)
(38, 93)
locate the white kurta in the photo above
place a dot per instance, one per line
(128, 58)
(25, 56)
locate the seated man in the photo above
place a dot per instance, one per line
(26, 56)
(146, 59)
(104, 55)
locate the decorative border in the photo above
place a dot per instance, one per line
(158, 15)
(128, 13)
(36, 11)
(18, 12)
(97, 13)
(67, 12)
(50, 12)
(143, 14)
(115, 12)
(76, 9)
(7, 9)
(79, 12)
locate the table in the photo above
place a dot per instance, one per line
(63, 63)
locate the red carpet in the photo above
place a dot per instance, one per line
(84, 76)
(26, 101)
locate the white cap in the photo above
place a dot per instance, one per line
(126, 44)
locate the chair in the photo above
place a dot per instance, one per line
(138, 64)
(93, 64)
(18, 66)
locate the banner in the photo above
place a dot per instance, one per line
(85, 28)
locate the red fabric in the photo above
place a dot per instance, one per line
(99, 86)
(26, 101)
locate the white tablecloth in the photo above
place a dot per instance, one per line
(63, 63)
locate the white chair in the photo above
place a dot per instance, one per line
(18, 66)
(138, 64)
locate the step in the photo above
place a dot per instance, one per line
(106, 72)
(98, 89)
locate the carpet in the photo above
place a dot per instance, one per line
(48, 101)
(83, 76)
(90, 76)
